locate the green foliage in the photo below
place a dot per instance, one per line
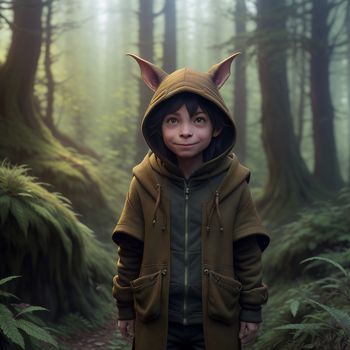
(41, 237)
(13, 325)
(64, 168)
(323, 229)
(309, 304)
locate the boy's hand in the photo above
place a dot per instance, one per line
(127, 329)
(248, 332)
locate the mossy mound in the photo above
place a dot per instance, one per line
(63, 266)
(76, 176)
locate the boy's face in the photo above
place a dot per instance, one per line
(187, 136)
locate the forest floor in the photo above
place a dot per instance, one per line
(104, 337)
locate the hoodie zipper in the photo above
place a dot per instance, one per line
(187, 194)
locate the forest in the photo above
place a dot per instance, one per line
(71, 106)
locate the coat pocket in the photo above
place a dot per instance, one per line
(147, 295)
(223, 297)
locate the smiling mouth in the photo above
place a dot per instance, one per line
(185, 144)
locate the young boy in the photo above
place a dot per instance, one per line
(189, 237)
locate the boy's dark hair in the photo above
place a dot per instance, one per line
(192, 101)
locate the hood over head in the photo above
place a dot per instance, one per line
(183, 85)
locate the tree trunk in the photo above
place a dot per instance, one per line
(240, 87)
(326, 163)
(24, 137)
(17, 75)
(348, 66)
(50, 83)
(145, 45)
(169, 45)
(289, 183)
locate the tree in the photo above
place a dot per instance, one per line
(169, 44)
(348, 80)
(17, 75)
(146, 51)
(240, 88)
(289, 183)
(24, 137)
(326, 168)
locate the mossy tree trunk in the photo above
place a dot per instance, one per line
(326, 169)
(25, 138)
(240, 85)
(289, 183)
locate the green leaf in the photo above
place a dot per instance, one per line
(36, 332)
(294, 307)
(341, 317)
(31, 309)
(7, 295)
(326, 260)
(5, 203)
(300, 326)
(8, 326)
(20, 215)
(7, 279)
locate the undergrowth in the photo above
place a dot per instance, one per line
(308, 271)
(64, 267)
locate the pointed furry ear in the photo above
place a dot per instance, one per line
(150, 73)
(221, 71)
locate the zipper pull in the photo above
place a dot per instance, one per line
(187, 192)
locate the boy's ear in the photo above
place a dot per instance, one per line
(150, 73)
(221, 71)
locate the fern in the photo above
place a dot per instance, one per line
(8, 279)
(36, 332)
(341, 317)
(330, 261)
(9, 327)
(50, 242)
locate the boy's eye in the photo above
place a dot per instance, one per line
(200, 120)
(171, 120)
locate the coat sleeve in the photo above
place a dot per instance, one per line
(249, 240)
(130, 252)
(128, 235)
(131, 219)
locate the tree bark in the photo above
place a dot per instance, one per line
(326, 162)
(169, 44)
(240, 85)
(17, 75)
(289, 183)
(348, 68)
(50, 83)
(146, 43)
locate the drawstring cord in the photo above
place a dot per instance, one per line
(159, 189)
(216, 207)
(158, 200)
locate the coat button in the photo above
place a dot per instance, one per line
(206, 271)
(164, 271)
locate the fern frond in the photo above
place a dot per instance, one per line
(8, 279)
(341, 317)
(36, 332)
(7, 295)
(8, 326)
(31, 309)
(332, 262)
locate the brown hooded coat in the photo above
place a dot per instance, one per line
(226, 218)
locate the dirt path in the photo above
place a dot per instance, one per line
(105, 337)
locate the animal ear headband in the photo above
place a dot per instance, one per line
(153, 75)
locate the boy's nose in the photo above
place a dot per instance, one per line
(186, 130)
